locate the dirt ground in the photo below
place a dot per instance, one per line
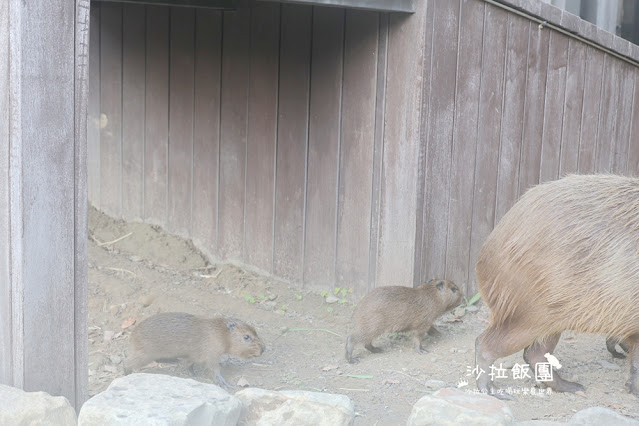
(148, 271)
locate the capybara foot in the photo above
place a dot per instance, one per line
(421, 350)
(372, 348)
(611, 345)
(560, 385)
(491, 389)
(352, 360)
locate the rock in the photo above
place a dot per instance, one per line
(116, 359)
(539, 423)
(331, 299)
(265, 407)
(435, 384)
(18, 407)
(451, 406)
(156, 399)
(596, 416)
(609, 365)
(146, 299)
(472, 308)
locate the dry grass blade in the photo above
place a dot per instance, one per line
(120, 270)
(286, 330)
(114, 241)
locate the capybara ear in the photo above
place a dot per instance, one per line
(440, 286)
(231, 324)
(430, 280)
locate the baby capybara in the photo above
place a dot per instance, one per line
(395, 309)
(565, 257)
(198, 340)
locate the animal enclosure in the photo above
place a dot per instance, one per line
(340, 147)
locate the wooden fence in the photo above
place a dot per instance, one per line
(346, 148)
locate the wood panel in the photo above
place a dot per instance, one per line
(233, 132)
(323, 145)
(398, 201)
(206, 127)
(490, 113)
(530, 160)
(573, 108)
(156, 114)
(181, 94)
(93, 135)
(633, 149)
(133, 72)
(6, 323)
(111, 109)
(356, 149)
(460, 207)
(619, 161)
(554, 106)
(591, 106)
(608, 115)
(513, 114)
(262, 135)
(437, 136)
(295, 49)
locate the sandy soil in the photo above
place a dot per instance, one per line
(148, 271)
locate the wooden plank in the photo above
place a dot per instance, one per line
(262, 135)
(460, 208)
(619, 163)
(530, 160)
(133, 72)
(633, 149)
(513, 114)
(437, 133)
(573, 108)
(80, 219)
(182, 45)
(45, 246)
(233, 132)
(490, 113)
(323, 145)
(554, 106)
(111, 108)
(6, 323)
(356, 149)
(380, 109)
(206, 127)
(157, 115)
(398, 201)
(93, 136)
(608, 115)
(591, 106)
(292, 141)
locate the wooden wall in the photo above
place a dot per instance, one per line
(345, 148)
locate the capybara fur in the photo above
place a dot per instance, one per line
(198, 340)
(395, 309)
(565, 257)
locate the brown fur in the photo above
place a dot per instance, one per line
(396, 309)
(199, 340)
(565, 257)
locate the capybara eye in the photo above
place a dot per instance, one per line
(453, 289)
(247, 337)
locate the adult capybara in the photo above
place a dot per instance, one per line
(199, 340)
(395, 309)
(565, 257)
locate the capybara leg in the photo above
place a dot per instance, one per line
(536, 354)
(624, 346)
(432, 331)
(633, 381)
(611, 343)
(417, 342)
(192, 372)
(349, 350)
(373, 349)
(134, 362)
(491, 345)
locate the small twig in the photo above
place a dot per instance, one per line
(214, 276)
(407, 375)
(311, 329)
(116, 240)
(120, 270)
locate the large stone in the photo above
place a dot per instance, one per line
(18, 407)
(156, 399)
(596, 416)
(265, 407)
(450, 406)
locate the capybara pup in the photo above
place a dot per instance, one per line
(198, 340)
(565, 257)
(395, 309)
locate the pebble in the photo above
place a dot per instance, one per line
(435, 384)
(116, 359)
(331, 299)
(135, 258)
(609, 365)
(472, 308)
